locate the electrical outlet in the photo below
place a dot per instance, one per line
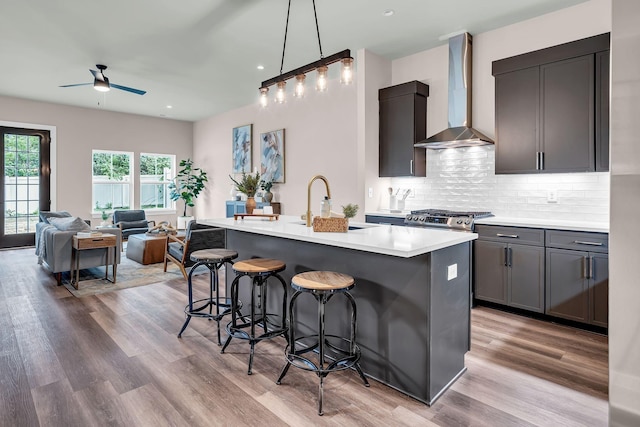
(452, 271)
(370, 192)
(552, 196)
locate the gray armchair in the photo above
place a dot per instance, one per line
(131, 222)
(197, 237)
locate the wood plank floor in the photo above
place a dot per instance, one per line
(115, 360)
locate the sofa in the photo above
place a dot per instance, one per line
(54, 244)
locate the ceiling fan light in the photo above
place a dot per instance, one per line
(101, 86)
(321, 80)
(346, 76)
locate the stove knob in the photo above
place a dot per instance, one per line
(459, 221)
(415, 217)
(422, 218)
(468, 221)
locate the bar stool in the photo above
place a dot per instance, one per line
(260, 270)
(213, 259)
(344, 352)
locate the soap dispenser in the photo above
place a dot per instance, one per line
(325, 207)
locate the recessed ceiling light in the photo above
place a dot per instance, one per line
(388, 12)
(260, 67)
(169, 106)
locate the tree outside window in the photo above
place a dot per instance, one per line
(156, 171)
(112, 180)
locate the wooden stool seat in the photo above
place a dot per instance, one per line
(213, 255)
(323, 280)
(259, 265)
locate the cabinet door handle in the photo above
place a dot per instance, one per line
(582, 242)
(537, 160)
(510, 236)
(506, 256)
(510, 257)
(585, 267)
(590, 268)
(542, 160)
(411, 167)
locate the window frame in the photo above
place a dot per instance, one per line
(130, 182)
(171, 208)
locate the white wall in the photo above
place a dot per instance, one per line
(80, 130)
(320, 138)
(467, 175)
(624, 289)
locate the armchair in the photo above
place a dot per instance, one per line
(197, 237)
(131, 222)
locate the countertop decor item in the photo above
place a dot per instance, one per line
(188, 184)
(248, 185)
(321, 66)
(350, 210)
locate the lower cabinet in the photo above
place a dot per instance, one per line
(577, 280)
(510, 273)
(563, 274)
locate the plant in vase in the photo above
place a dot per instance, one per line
(103, 212)
(186, 186)
(266, 186)
(248, 184)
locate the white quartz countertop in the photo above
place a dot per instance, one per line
(552, 224)
(383, 239)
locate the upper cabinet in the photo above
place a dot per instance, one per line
(403, 122)
(552, 109)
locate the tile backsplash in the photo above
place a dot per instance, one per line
(465, 179)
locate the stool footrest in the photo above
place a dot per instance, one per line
(341, 359)
(196, 311)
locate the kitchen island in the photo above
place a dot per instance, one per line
(412, 291)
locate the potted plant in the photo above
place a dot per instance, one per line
(248, 185)
(266, 186)
(350, 210)
(187, 185)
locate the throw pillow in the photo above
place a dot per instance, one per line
(72, 223)
(134, 224)
(45, 215)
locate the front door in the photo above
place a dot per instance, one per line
(25, 187)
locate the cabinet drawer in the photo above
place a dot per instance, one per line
(578, 240)
(523, 236)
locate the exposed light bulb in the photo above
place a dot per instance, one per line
(346, 76)
(280, 94)
(299, 89)
(264, 100)
(321, 80)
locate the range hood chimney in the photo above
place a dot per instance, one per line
(460, 133)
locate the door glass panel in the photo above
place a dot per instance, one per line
(21, 183)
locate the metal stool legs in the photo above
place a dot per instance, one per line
(346, 360)
(258, 313)
(200, 311)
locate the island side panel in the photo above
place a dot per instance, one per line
(393, 300)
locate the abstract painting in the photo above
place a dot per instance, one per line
(272, 156)
(241, 149)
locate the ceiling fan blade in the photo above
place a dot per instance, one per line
(79, 84)
(129, 89)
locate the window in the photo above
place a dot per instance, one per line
(156, 171)
(112, 180)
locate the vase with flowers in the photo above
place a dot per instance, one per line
(266, 186)
(248, 184)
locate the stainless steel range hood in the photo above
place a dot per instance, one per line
(460, 133)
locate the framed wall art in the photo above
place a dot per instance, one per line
(272, 156)
(241, 149)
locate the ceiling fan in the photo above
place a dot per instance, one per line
(101, 82)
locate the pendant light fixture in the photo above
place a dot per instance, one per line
(321, 67)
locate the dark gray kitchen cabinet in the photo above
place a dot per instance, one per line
(577, 278)
(403, 122)
(509, 267)
(552, 109)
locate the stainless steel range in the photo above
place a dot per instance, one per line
(454, 220)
